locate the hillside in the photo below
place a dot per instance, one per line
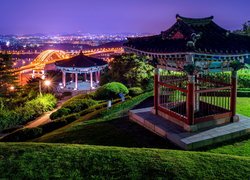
(27, 160)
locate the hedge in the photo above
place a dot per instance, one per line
(243, 93)
(135, 91)
(79, 104)
(60, 113)
(23, 135)
(31, 133)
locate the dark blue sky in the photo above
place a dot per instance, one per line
(111, 16)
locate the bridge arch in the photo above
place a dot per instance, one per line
(49, 56)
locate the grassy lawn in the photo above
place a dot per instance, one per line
(26, 160)
(240, 146)
(243, 106)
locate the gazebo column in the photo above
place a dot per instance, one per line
(96, 77)
(76, 81)
(190, 99)
(233, 94)
(99, 75)
(64, 78)
(85, 76)
(91, 80)
(156, 90)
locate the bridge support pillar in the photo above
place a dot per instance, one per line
(33, 74)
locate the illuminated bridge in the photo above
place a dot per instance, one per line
(49, 57)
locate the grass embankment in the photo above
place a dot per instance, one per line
(110, 128)
(239, 146)
(44, 161)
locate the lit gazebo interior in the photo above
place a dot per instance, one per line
(88, 67)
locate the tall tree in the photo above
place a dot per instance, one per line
(7, 77)
(131, 70)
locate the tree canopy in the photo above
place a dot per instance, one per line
(131, 70)
(7, 77)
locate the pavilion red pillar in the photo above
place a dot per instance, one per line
(190, 99)
(156, 90)
(233, 94)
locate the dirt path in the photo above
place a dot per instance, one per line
(45, 117)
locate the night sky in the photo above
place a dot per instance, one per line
(113, 16)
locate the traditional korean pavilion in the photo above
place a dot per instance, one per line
(196, 73)
(81, 65)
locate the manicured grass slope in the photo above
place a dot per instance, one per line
(43, 161)
(117, 132)
(112, 130)
(241, 146)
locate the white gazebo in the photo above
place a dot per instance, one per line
(81, 65)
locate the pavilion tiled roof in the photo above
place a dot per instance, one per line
(199, 35)
(81, 61)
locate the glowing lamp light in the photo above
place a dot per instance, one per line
(12, 88)
(47, 82)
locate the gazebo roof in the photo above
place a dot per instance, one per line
(81, 61)
(199, 35)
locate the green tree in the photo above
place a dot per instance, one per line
(131, 70)
(7, 77)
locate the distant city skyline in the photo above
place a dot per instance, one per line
(113, 16)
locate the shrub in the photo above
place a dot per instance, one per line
(60, 113)
(111, 91)
(53, 125)
(87, 111)
(134, 91)
(78, 105)
(23, 134)
(243, 93)
(12, 129)
(29, 111)
(71, 118)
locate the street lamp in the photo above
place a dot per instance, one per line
(12, 88)
(46, 83)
